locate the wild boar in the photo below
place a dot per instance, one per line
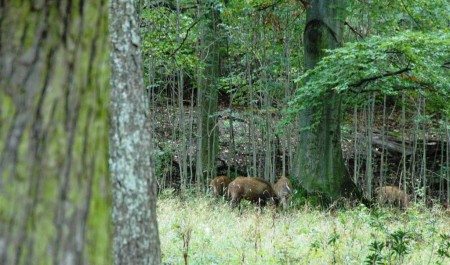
(283, 189)
(219, 185)
(393, 196)
(252, 189)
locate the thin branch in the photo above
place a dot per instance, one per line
(373, 78)
(410, 15)
(354, 30)
(184, 39)
(423, 86)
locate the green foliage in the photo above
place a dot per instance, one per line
(381, 17)
(444, 247)
(411, 61)
(378, 219)
(258, 34)
(375, 256)
(162, 160)
(262, 49)
(168, 44)
(394, 249)
(398, 242)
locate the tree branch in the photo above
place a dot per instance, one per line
(184, 39)
(424, 86)
(373, 78)
(410, 15)
(354, 30)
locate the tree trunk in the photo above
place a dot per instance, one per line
(136, 238)
(208, 131)
(53, 132)
(321, 166)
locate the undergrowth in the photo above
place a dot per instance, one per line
(205, 230)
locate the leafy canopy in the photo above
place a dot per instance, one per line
(411, 61)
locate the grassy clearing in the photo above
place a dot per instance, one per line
(204, 230)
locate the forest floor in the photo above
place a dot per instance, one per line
(205, 230)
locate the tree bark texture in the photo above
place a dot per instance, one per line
(320, 164)
(53, 132)
(136, 238)
(208, 143)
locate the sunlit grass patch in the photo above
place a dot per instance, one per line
(204, 230)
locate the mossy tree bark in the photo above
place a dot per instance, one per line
(53, 132)
(320, 164)
(136, 237)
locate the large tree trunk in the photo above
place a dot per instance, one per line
(321, 166)
(208, 131)
(136, 238)
(53, 132)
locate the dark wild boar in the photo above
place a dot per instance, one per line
(392, 195)
(219, 185)
(283, 189)
(252, 189)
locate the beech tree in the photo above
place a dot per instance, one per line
(320, 163)
(408, 62)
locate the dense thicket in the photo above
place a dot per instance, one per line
(391, 72)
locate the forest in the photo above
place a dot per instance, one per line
(224, 132)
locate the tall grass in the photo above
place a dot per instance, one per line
(204, 230)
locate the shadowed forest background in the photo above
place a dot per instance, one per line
(237, 88)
